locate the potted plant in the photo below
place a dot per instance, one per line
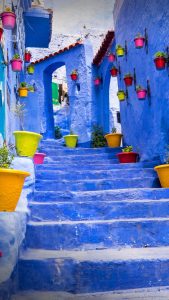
(38, 158)
(23, 90)
(128, 79)
(121, 95)
(97, 81)
(97, 139)
(8, 18)
(120, 50)
(163, 172)
(31, 69)
(127, 155)
(27, 56)
(139, 41)
(160, 59)
(114, 71)
(113, 139)
(16, 63)
(58, 134)
(111, 57)
(1, 33)
(74, 75)
(31, 88)
(141, 92)
(26, 142)
(71, 140)
(11, 181)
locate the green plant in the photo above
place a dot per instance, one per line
(31, 88)
(120, 91)
(6, 157)
(113, 68)
(119, 47)
(23, 84)
(27, 51)
(58, 133)
(19, 111)
(127, 149)
(139, 88)
(160, 54)
(74, 72)
(139, 35)
(71, 132)
(128, 75)
(114, 130)
(16, 56)
(97, 138)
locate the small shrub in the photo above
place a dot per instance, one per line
(6, 157)
(127, 149)
(98, 139)
(58, 134)
(114, 130)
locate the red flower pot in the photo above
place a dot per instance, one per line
(73, 77)
(111, 57)
(27, 57)
(127, 157)
(114, 72)
(38, 158)
(128, 81)
(97, 81)
(1, 33)
(139, 42)
(160, 63)
(141, 94)
(16, 65)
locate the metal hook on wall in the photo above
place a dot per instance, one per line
(146, 40)
(148, 91)
(135, 78)
(126, 50)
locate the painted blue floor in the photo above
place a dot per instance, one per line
(95, 225)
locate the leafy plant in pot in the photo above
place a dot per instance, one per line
(127, 155)
(160, 59)
(74, 75)
(163, 172)
(97, 139)
(28, 56)
(113, 139)
(139, 41)
(8, 18)
(16, 63)
(141, 92)
(120, 51)
(23, 90)
(114, 71)
(71, 140)
(26, 142)
(31, 69)
(128, 79)
(11, 181)
(121, 95)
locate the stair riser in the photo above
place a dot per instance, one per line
(98, 235)
(95, 185)
(88, 277)
(81, 155)
(101, 211)
(50, 148)
(79, 162)
(76, 175)
(113, 195)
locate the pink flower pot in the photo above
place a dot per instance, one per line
(38, 158)
(141, 94)
(111, 57)
(139, 42)
(97, 81)
(8, 20)
(16, 65)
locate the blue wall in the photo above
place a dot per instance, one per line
(144, 126)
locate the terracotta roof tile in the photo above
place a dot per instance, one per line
(103, 48)
(58, 52)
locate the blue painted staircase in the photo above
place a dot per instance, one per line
(95, 226)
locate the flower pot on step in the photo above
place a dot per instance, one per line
(127, 157)
(26, 142)
(71, 140)
(113, 139)
(11, 183)
(8, 20)
(38, 158)
(163, 175)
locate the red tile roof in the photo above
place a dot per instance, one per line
(58, 52)
(104, 47)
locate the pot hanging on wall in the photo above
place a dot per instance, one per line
(1, 33)
(31, 69)
(139, 41)
(114, 72)
(121, 95)
(8, 19)
(27, 56)
(16, 63)
(141, 92)
(120, 51)
(160, 60)
(74, 75)
(97, 81)
(111, 57)
(128, 79)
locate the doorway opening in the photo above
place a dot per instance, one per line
(114, 106)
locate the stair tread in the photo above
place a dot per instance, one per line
(112, 254)
(97, 180)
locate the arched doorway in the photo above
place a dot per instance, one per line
(114, 106)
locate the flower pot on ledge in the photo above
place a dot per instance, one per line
(38, 158)
(113, 139)
(26, 142)
(163, 175)
(71, 140)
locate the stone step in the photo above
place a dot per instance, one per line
(105, 210)
(103, 166)
(106, 152)
(94, 174)
(102, 195)
(96, 184)
(96, 234)
(154, 293)
(74, 161)
(94, 271)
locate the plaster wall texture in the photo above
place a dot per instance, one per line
(144, 125)
(13, 225)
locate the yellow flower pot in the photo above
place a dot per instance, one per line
(71, 140)
(11, 183)
(121, 96)
(31, 69)
(163, 175)
(120, 52)
(113, 139)
(26, 142)
(23, 92)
